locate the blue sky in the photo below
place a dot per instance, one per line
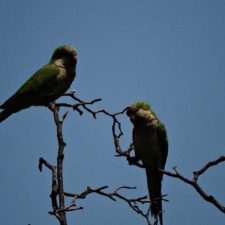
(168, 53)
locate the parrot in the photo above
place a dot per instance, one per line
(151, 147)
(46, 85)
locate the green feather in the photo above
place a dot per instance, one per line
(43, 79)
(163, 141)
(141, 105)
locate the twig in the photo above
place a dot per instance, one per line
(207, 166)
(80, 103)
(84, 104)
(116, 124)
(195, 185)
(54, 192)
(132, 202)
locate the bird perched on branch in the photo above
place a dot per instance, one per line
(151, 147)
(46, 85)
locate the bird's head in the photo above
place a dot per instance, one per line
(138, 112)
(65, 53)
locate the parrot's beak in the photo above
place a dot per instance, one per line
(128, 110)
(130, 114)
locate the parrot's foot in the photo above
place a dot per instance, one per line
(132, 160)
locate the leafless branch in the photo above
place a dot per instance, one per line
(84, 104)
(81, 103)
(132, 202)
(61, 144)
(54, 192)
(115, 126)
(194, 181)
(119, 152)
(58, 195)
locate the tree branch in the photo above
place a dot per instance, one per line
(133, 203)
(195, 185)
(60, 156)
(58, 204)
(54, 192)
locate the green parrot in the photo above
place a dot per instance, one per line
(151, 147)
(46, 85)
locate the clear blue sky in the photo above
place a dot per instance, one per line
(168, 53)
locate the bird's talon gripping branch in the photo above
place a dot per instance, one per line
(132, 160)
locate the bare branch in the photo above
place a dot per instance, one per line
(81, 103)
(61, 145)
(116, 124)
(133, 203)
(207, 166)
(94, 113)
(58, 204)
(195, 185)
(119, 152)
(54, 192)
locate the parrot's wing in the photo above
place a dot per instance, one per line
(136, 157)
(40, 83)
(163, 142)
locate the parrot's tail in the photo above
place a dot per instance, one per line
(154, 180)
(5, 114)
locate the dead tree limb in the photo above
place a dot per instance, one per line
(133, 203)
(58, 194)
(61, 144)
(194, 181)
